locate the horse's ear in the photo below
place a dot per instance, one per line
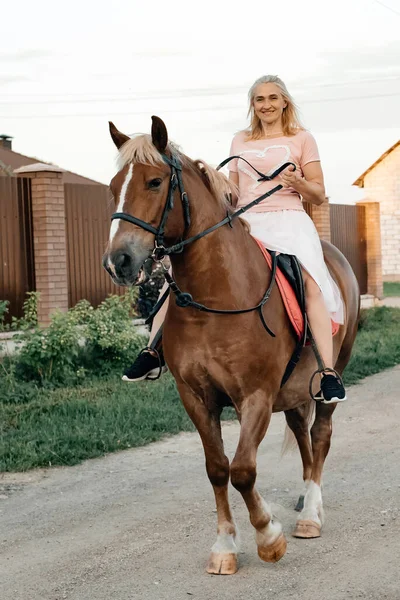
(118, 137)
(159, 134)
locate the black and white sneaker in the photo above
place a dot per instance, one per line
(146, 366)
(332, 390)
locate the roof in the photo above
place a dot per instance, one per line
(360, 181)
(10, 161)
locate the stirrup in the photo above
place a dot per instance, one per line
(321, 398)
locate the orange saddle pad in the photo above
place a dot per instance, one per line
(289, 297)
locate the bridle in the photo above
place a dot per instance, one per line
(175, 180)
(184, 299)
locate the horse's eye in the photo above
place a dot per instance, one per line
(153, 184)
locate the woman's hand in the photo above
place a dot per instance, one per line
(310, 187)
(290, 178)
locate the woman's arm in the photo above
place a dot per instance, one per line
(311, 187)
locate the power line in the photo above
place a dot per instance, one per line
(186, 110)
(162, 94)
(388, 7)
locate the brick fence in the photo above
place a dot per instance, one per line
(374, 248)
(48, 216)
(321, 217)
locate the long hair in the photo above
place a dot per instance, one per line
(291, 123)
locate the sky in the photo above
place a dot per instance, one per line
(67, 69)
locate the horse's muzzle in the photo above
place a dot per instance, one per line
(125, 268)
(122, 267)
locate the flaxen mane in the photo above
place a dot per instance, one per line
(140, 149)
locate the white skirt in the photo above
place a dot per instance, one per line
(293, 232)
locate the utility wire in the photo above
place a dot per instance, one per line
(186, 110)
(161, 95)
(388, 7)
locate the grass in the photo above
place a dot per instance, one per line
(391, 288)
(40, 428)
(377, 345)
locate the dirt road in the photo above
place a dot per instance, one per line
(139, 524)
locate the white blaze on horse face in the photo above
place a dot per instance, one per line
(120, 207)
(313, 509)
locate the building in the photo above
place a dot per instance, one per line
(381, 183)
(10, 161)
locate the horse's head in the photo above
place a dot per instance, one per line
(140, 189)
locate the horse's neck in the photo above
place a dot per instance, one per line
(223, 264)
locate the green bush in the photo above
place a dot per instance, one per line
(3, 313)
(111, 338)
(81, 343)
(51, 355)
(29, 319)
(30, 310)
(149, 292)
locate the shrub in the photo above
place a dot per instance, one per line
(82, 342)
(29, 318)
(50, 355)
(149, 292)
(111, 337)
(3, 313)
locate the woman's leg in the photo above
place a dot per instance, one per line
(150, 363)
(160, 316)
(319, 319)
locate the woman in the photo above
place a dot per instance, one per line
(276, 136)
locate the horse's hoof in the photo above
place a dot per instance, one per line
(222, 563)
(275, 551)
(307, 529)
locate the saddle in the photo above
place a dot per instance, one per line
(290, 283)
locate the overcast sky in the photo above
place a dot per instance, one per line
(67, 69)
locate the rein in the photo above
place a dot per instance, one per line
(184, 299)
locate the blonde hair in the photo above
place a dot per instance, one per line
(290, 118)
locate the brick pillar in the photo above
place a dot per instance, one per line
(321, 217)
(48, 215)
(374, 248)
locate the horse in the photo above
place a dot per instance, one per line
(219, 360)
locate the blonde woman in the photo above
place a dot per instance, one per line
(275, 136)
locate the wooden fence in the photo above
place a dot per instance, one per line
(87, 213)
(17, 273)
(348, 233)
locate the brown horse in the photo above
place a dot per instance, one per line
(225, 359)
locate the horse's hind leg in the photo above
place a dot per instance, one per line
(297, 420)
(255, 418)
(310, 519)
(223, 557)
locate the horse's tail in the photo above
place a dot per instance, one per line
(289, 440)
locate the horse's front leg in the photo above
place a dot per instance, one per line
(205, 415)
(255, 417)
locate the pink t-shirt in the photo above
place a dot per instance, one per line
(266, 156)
